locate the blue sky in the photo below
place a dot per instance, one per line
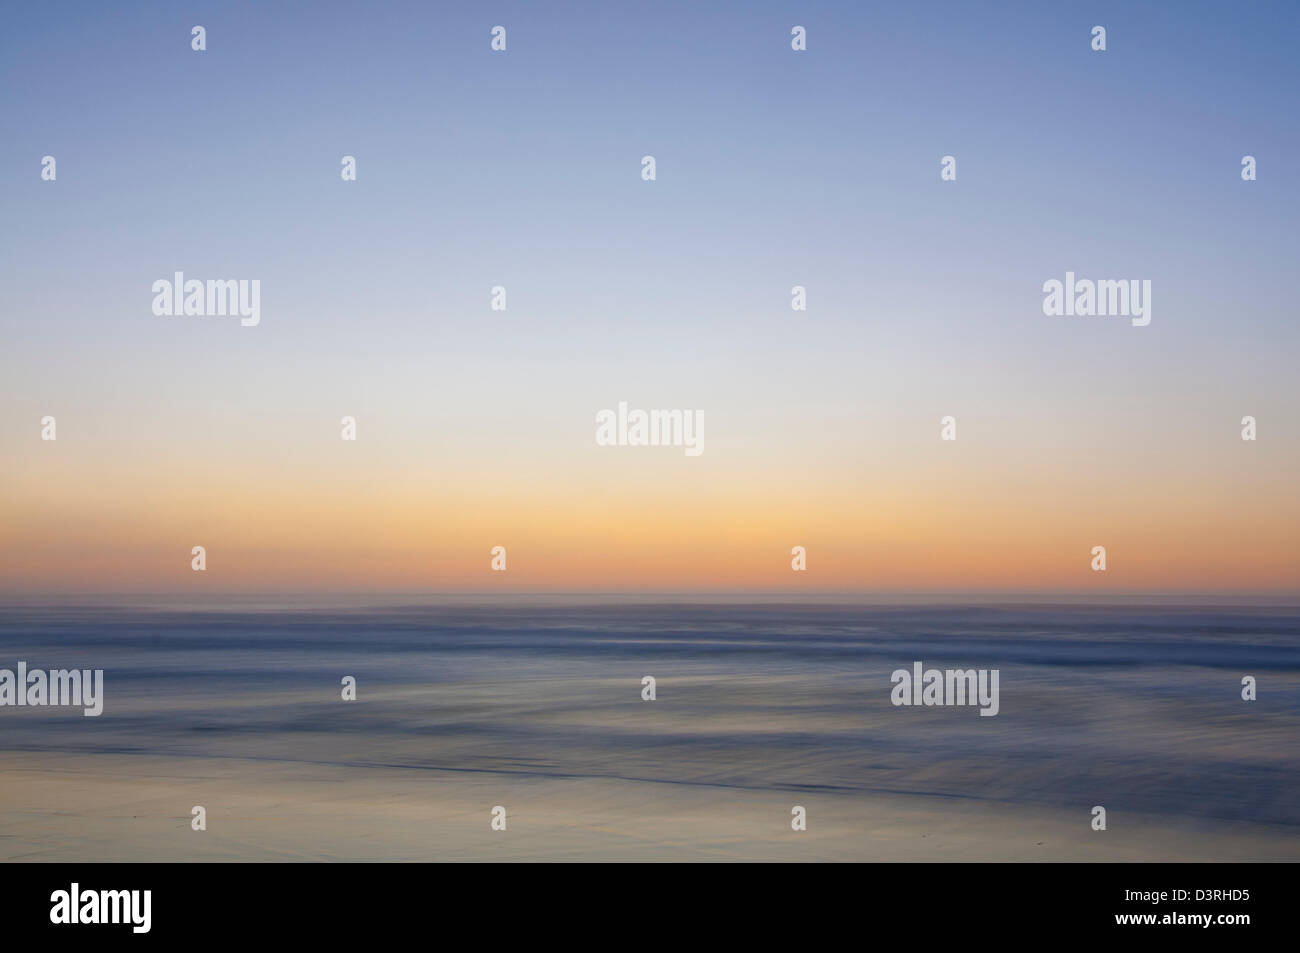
(775, 168)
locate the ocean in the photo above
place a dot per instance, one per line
(758, 708)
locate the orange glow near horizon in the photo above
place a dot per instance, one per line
(631, 530)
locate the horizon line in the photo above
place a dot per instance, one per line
(390, 599)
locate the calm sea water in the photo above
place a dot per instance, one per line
(1139, 707)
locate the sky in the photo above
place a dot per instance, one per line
(774, 168)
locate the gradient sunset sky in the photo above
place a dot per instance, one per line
(775, 168)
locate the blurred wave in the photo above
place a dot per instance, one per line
(1138, 706)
